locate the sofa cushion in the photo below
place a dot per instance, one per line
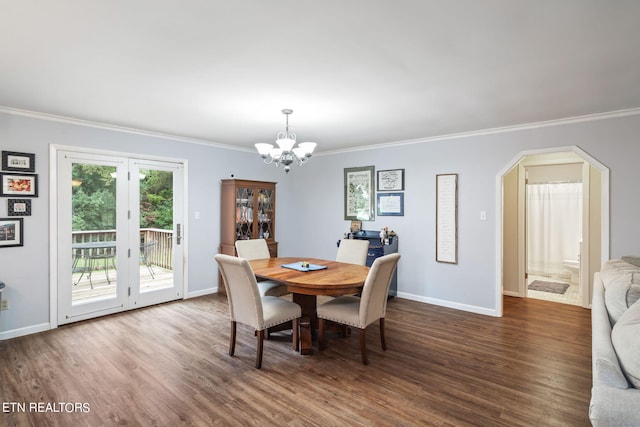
(621, 292)
(626, 342)
(616, 267)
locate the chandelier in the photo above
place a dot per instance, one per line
(285, 154)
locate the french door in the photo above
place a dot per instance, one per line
(119, 227)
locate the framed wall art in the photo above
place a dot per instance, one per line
(390, 204)
(358, 194)
(18, 162)
(18, 185)
(391, 180)
(11, 232)
(447, 218)
(19, 207)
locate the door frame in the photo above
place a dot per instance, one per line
(604, 212)
(53, 217)
(523, 226)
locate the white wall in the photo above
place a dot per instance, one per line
(310, 204)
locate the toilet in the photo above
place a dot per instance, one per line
(573, 267)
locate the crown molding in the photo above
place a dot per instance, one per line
(491, 131)
(104, 126)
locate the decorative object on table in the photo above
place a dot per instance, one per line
(447, 218)
(390, 204)
(18, 162)
(19, 207)
(18, 185)
(304, 266)
(11, 232)
(358, 194)
(386, 236)
(355, 226)
(391, 180)
(286, 154)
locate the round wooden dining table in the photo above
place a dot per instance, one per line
(338, 278)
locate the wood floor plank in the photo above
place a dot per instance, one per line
(168, 365)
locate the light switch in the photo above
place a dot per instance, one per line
(483, 215)
(196, 214)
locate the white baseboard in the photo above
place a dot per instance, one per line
(14, 333)
(449, 304)
(201, 293)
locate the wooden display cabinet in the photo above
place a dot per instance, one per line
(248, 211)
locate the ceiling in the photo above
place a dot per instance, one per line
(356, 73)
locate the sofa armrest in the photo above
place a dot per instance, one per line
(611, 406)
(605, 364)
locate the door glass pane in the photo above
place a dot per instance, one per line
(156, 229)
(94, 270)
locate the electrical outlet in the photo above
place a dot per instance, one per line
(4, 305)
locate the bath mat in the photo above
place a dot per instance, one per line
(553, 287)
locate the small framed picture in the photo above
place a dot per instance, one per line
(391, 204)
(391, 180)
(19, 207)
(11, 232)
(18, 185)
(356, 226)
(18, 162)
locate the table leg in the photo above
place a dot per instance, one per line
(308, 305)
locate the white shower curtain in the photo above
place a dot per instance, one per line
(554, 227)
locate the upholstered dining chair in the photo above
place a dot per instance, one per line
(353, 251)
(248, 307)
(360, 312)
(258, 249)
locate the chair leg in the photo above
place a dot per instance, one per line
(321, 342)
(260, 346)
(382, 340)
(295, 332)
(363, 346)
(232, 339)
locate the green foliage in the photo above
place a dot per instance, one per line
(94, 200)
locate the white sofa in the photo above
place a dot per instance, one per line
(615, 323)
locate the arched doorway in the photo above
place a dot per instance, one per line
(511, 225)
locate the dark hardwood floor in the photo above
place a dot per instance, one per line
(168, 365)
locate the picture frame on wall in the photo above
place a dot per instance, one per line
(359, 202)
(391, 180)
(19, 207)
(11, 232)
(447, 218)
(18, 162)
(390, 204)
(18, 185)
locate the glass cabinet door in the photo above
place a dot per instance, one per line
(265, 213)
(244, 213)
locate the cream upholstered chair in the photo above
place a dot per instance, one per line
(360, 312)
(258, 249)
(353, 251)
(246, 306)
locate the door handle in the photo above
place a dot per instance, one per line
(178, 233)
